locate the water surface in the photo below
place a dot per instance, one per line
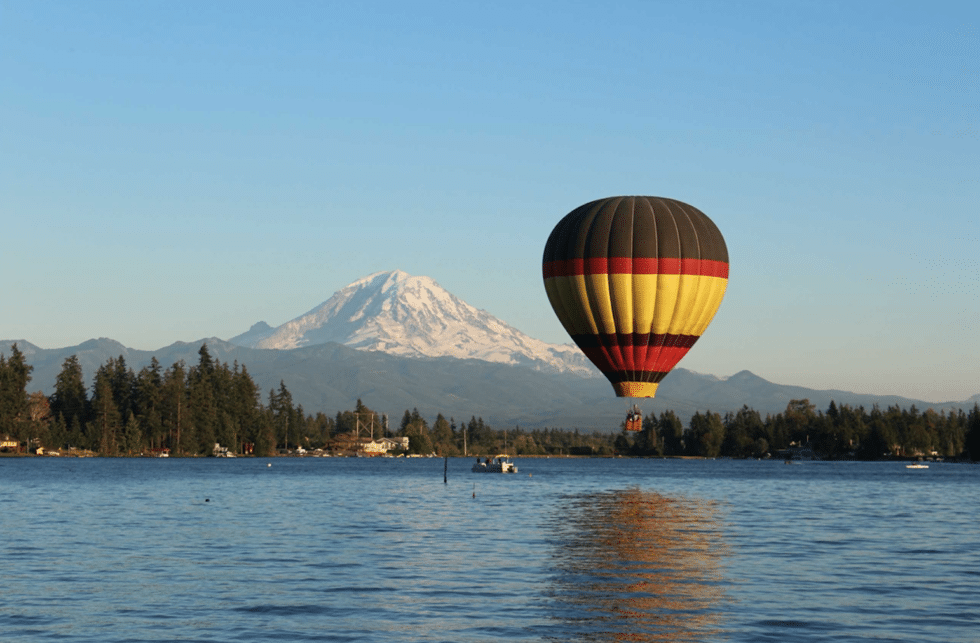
(330, 549)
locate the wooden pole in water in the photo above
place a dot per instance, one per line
(445, 471)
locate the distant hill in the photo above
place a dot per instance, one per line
(331, 377)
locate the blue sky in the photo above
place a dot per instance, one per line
(177, 170)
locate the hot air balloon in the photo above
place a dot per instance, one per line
(635, 280)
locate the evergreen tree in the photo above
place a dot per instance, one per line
(58, 435)
(406, 420)
(881, 439)
(149, 404)
(419, 440)
(281, 406)
(647, 441)
(443, 439)
(480, 436)
(203, 405)
(173, 407)
(245, 405)
(15, 373)
(323, 428)
(70, 399)
(265, 435)
(132, 438)
(741, 431)
(122, 380)
(76, 434)
(105, 425)
(671, 429)
(622, 445)
(707, 432)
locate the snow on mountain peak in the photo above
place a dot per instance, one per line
(411, 316)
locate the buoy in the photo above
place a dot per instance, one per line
(269, 464)
(207, 500)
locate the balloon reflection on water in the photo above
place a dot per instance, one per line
(633, 565)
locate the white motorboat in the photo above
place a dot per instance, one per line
(497, 464)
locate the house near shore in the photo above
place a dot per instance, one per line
(384, 445)
(374, 448)
(392, 444)
(351, 444)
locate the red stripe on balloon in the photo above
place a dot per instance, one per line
(635, 266)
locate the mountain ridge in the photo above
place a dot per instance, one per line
(332, 377)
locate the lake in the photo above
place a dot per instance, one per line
(358, 549)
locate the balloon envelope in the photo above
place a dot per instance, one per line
(635, 281)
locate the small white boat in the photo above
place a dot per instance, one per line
(497, 464)
(917, 465)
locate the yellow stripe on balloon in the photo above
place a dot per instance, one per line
(712, 303)
(666, 302)
(656, 304)
(644, 302)
(700, 302)
(621, 287)
(598, 299)
(687, 292)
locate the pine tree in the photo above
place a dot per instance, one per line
(70, 399)
(245, 406)
(281, 406)
(148, 404)
(58, 433)
(707, 433)
(443, 438)
(132, 436)
(671, 430)
(15, 373)
(173, 402)
(123, 383)
(647, 442)
(105, 425)
(419, 440)
(202, 403)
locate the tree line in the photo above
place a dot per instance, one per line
(188, 409)
(842, 432)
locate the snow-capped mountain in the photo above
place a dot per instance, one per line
(400, 314)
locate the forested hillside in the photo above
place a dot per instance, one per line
(188, 409)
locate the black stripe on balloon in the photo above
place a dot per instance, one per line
(653, 377)
(610, 340)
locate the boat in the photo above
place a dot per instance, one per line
(917, 465)
(497, 464)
